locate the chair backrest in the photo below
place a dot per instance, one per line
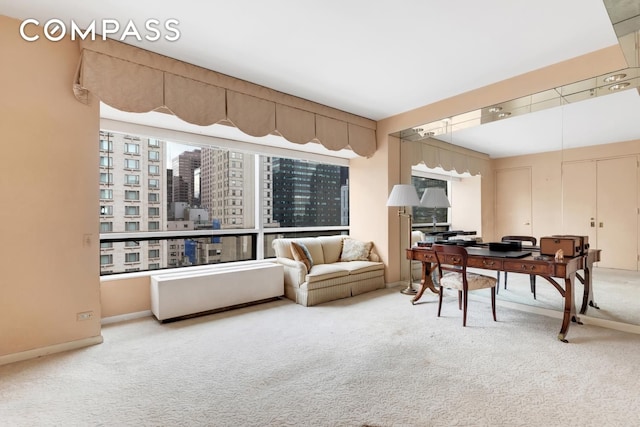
(529, 239)
(451, 258)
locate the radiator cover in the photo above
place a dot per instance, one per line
(186, 293)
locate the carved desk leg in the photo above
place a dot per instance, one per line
(569, 314)
(587, 297)
(426, 281)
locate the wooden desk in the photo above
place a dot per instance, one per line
(547, 268)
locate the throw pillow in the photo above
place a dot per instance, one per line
(355, 250)
(301, 253)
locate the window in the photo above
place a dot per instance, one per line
(106, 145)
(106, 245)
(106, 227)
(131, 195)
(131, 148)
(132, 210)
(209, 190)
(425, 215)
(106, 178)
(132, 257)
(132, 179)
(133, 164)
(132, 226)
(106, 259)
(106, 194)
(106, 162)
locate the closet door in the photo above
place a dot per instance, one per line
(579, 200)
(513, 202)
(617, 213)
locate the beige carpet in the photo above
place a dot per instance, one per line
(616, 292)
(370, 360)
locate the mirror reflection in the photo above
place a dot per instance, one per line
(564, 161)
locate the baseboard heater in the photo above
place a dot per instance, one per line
(178, 295)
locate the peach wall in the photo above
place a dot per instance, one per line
(465, 197)
(370, 181)
(123, 296)
(547, 179)
(49, 268)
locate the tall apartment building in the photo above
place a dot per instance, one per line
(227, 179)
(184, 177)
(132, 199)
(300, 187)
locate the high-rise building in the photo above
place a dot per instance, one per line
(184, 167)
(131, 200)
(301, 187)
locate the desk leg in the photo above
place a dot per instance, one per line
(569, 314)
(587, 297)
(426, 281)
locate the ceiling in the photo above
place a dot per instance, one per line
(371, 58)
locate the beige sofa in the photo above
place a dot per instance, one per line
(340, 267)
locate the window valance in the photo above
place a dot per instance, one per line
(135, 80)
(434, 153)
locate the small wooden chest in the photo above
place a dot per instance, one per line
(584, 242)
(571, 245)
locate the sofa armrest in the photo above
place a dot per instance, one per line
(294, 271)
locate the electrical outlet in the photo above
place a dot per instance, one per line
(85, 315)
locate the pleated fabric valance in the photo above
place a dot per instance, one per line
(434, 153)
(135, 80)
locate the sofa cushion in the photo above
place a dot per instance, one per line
(301, 253)
(355, 250)
(331, 247)
(355, 267)
(322, 272)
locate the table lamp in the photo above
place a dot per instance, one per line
(434, 198)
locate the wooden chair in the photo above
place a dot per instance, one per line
(453, 260)
(532, 277)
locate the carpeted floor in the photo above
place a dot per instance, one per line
(369, 360)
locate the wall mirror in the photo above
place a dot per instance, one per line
(590, 113)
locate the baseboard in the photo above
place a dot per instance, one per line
(52, 349)
(587, 320)
(125, 317)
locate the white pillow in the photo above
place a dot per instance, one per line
(355, 250)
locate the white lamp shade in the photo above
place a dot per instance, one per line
(403, 195)
(434, 198)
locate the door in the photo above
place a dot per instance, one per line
(579, 199)
(513, 202)
(617, 213)
(599, 200)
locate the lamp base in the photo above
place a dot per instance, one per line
(409, 290)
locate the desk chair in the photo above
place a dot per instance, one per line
(532, 277)
(453, 260)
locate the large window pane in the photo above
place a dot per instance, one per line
(194, 188)
(306, 194)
